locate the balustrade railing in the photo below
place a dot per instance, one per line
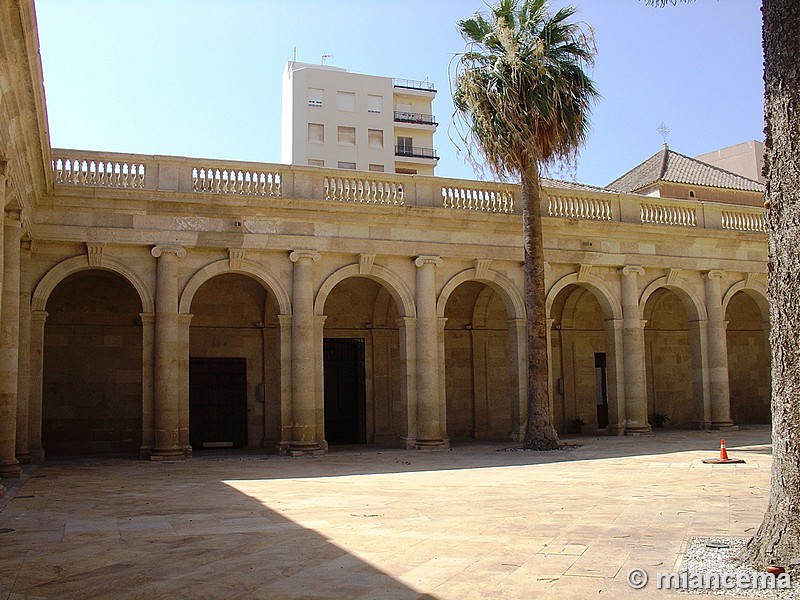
(412, 84)
(481, 199)
(236, 181)
(668, 214)
(574, 207)
(369, 191)
(176, 174)
(99, 172)
(744, 221)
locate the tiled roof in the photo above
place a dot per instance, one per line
(546, 182)
(668, 165)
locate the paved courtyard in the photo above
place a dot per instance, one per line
(474, 522)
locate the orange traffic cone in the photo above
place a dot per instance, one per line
(723, 457)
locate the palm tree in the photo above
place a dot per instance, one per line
(521, 90)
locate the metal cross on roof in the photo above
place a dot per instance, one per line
(664, 131)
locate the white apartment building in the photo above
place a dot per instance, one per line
(337, 119)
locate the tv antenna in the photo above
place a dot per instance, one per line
(325, 57)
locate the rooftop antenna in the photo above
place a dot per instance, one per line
(663, 130)
(324, 58)
(294, 55)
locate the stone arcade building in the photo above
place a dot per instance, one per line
(153, 305)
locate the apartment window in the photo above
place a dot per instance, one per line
(347, 165)
(315, 162)
(346, 101)
(375, 138)
(404, 144)
(376, 168)
(346, 136)
(374, 104)
(315, 97)
(316, 133)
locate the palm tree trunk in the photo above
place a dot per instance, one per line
(539, 432)
(777, 541)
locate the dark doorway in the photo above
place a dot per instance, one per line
(217, 403)
(602, 390)
(345, 391)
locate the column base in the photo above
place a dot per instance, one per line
(305, 449)
(638, 430)
(615, 430)
(167, 454)
(10, 471)
(24, 458)
(724, 425)
(434, 444)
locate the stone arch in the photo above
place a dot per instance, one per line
(513, 300)
(387, 278)
(695, 307)
(64, 269)
(756, 291)
(612, 308)
(249, 268)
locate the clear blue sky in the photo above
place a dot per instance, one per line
(202, 78)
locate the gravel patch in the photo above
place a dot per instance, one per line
(718, 555)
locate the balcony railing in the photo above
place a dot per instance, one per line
(413, 151)
(402, 116)
(233, 183)
(411, 84)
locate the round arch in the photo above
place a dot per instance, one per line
(757, 292)
(513, 300)
(390, 280)
(612, 309)
(64, 269)
(695, 308)
(248, 267)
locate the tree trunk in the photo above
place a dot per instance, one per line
(777, 541)
(539, 432)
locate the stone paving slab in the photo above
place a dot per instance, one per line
(475, 522)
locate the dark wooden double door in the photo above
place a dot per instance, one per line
(217, 403)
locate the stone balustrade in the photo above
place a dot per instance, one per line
(238, 178)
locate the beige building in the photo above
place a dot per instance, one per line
(333, 118)
(745, 159)
(157, 306)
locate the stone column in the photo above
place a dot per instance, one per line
(166, 359)
(304, 401)
(24, 372)
(285, 334)
(719, 386)
(182, 376)
(429, 433)
(148, 355)
(9, 345)
(38, 318)
(615, 376)
(518, 363)
(406, 327)
(633, 349)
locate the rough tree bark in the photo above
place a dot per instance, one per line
(777, 541)
(539, 432)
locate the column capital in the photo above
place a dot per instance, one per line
(13, 217)
(428, 260)
(39, 316)
(715, 274)
(406, 322)
(296, 255)
(175, 249)
(147, 318)
(185, 319)
(632, 270)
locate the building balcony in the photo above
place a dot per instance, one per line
(415, 152)
(401, 116)
(410, 84)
